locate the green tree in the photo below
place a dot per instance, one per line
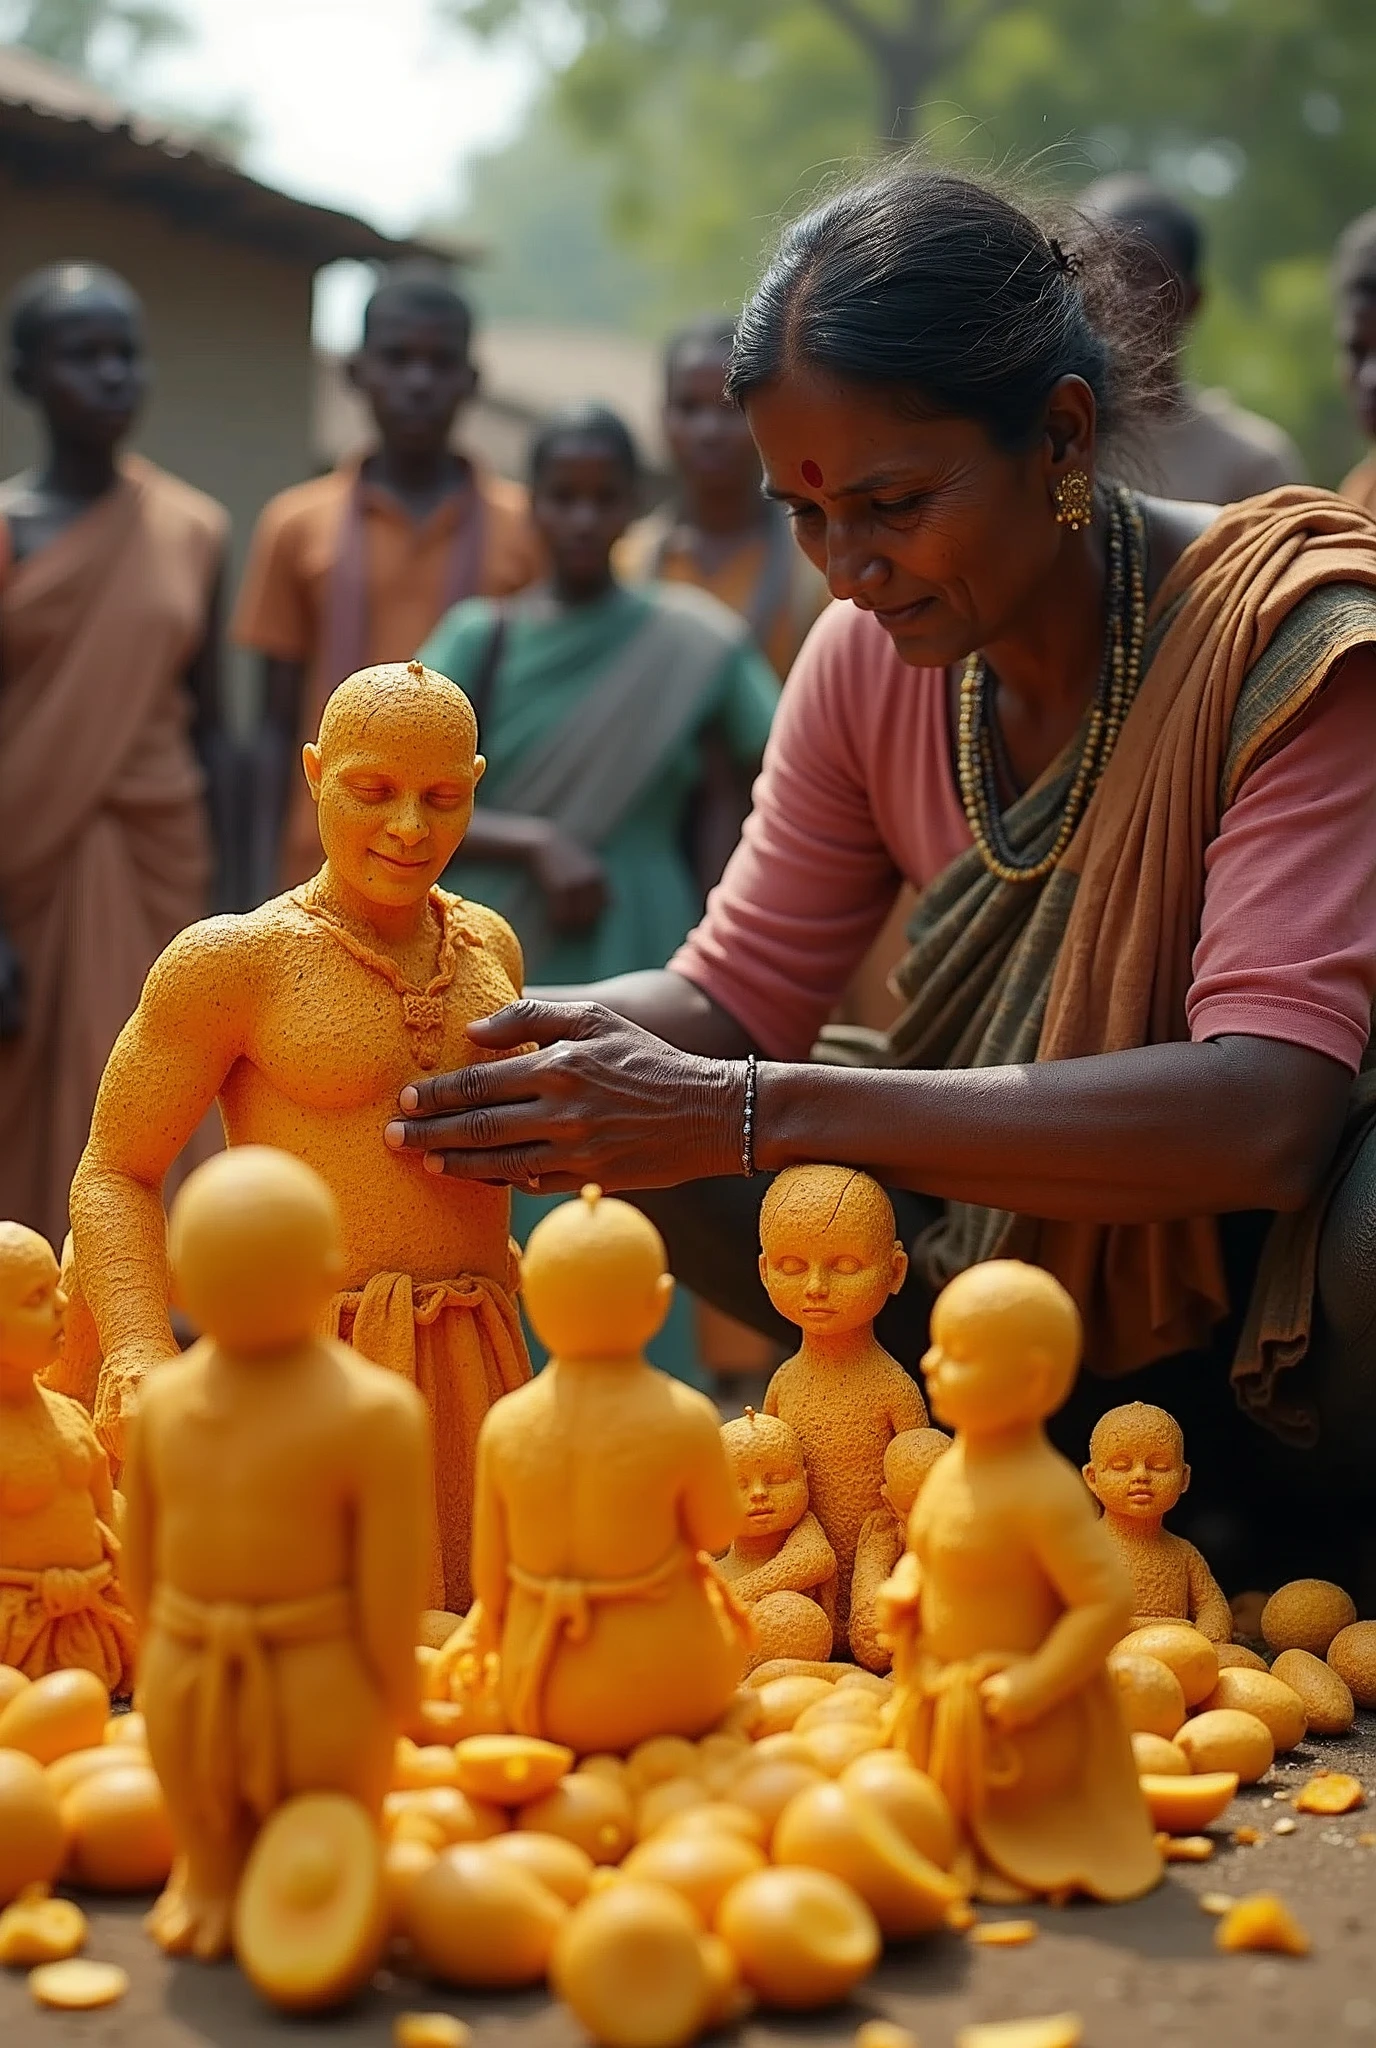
(71, 32)
(717, 118)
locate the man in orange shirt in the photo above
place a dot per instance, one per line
(720, 532)
(356, 567)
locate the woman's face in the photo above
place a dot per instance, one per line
(944, 536)
(583, 501)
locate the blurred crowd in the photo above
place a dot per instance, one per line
(625, 662)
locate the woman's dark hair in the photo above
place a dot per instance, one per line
(596, 423)
(963, 304)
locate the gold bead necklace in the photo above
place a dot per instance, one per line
(1119, 676)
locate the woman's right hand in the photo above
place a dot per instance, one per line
(11, 989)
(573, 879)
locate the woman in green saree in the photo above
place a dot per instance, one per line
(621, 729)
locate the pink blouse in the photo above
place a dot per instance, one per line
(857, 795)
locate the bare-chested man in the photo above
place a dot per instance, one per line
(303, 1020)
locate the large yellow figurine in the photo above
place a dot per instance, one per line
(277, 1535)
(780, 1566)
(883, 1538)
(1137, 1471)
(1006, 1604)
(603, 1492)
(60, 1604)
(829, 1261)
(304, 1019)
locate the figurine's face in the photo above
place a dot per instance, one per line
(31, 1309)
(394, 798)
(979, 1380)
(1141, 1478)
(773, 1489)
(833, 1280)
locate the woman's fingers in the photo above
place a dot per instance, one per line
(488, 1128)
(513, 1080)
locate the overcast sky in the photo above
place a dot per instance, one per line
(362, 104)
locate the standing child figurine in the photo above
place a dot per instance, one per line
(277, 1532)
(60, 1605)
(603, 1493)
(1137, 1471)
(780, 1565)
(883, 1536)
(1006, 1604)
(829, 1261)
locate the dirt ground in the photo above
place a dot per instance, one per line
(1140, 1974)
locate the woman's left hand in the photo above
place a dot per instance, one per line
(600, 1100)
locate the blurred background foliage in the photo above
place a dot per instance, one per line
(673, 136)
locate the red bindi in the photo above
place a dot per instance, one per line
(811, 472)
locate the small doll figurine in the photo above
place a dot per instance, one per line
(277, 1533)
(780, 1566)
(60, 1603)
(907, 1461)
(1137, 1471)
(603, 1497)
(829, 1261)
(1005, 1605)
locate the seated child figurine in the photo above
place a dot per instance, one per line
(277, 1534)
(780, 1566)
(883, 1536)
(1137, 1471)
(1005, 1606)
(829, 1261)
(603, 1493)
(60, 1603)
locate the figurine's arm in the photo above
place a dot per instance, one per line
(165, 1071)
(1081, 1563)
(1209, 1609)
(771, 1394)
(490, 1555)
(136, 1564)
(907, 1410)
(393, 1542)
(804, 1561)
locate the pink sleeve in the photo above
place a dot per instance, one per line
(812, 879)
(1287, 941)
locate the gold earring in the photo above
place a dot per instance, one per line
(1073, 497)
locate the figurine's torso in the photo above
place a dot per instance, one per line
(327, 1053)
(48, 1459)
(845, 1417)
(255, 1473)
(983, 1585)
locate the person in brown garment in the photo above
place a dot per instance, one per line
(1201, 447)
(110, 729)
(355, 568)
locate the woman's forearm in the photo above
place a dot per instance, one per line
(1131, 1137)
(668, 1004)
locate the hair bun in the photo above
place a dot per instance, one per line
(1065, 260)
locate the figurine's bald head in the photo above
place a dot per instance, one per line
(907, 1461)
(1137, 1463)
(1005, 1347)
(31, 1302)
(398, 700)
(829, 1259)
(393, 775)
(254, 1244)
(1137, 1425)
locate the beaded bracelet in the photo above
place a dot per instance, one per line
(748, 1120)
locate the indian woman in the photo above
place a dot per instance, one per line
(1125, 750)
(622, 729)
